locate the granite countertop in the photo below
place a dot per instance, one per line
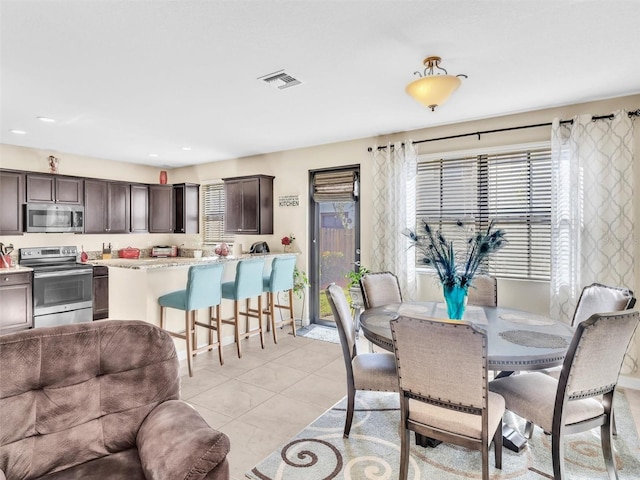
(15, 268)
(150, 263)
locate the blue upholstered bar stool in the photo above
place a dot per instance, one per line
(247, 285)
(279, 280)
(204, 289)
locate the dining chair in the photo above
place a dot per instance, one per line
(380, 288)
(594, 298)
(598, 298)
(280, 279)
(204, 289)
(365, 371)
(442, 374)
(570, 405)
(483, 292)
(248, 284)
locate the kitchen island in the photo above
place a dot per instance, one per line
(136, 284)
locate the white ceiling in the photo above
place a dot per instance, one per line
(125, 79)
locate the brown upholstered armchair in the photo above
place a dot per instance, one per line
(100, 401)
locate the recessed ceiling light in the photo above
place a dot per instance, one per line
(186, 149)
(46, 119)
(153, 154)
(18, 132)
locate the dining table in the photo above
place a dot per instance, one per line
(516, 341)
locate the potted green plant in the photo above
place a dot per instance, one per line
(300, 285)
(355, 291)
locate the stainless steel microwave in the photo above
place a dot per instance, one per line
(54, 218)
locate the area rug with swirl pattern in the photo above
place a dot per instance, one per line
(372, 450)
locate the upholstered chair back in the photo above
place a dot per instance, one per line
(344, 322)
(592, 364)
(598, 298)
(248, 282)
(484, 291)
(379, 289)
(204, 286)
(79, 392)
(281, 277)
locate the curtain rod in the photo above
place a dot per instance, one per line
(635, 113)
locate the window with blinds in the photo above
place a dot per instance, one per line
(213, 214)
(512, 188)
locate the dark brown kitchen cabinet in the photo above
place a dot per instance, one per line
(43, 188)
(16, 302)
(161, 208)
(100, 292)
(139, 208)
(106, 207)
(249, 204)
(186, 203)
(11, 199)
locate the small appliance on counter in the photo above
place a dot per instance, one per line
(106, 251)
(164, 251)
(129, 252)
(259, 247)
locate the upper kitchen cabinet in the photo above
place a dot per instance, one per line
(106, 207)
(186, 202)
(249, 204)
(42, 188)
(11, 199)
(139, 208)
(160, 208)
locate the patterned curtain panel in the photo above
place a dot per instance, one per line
(394, 209)
(592, 231)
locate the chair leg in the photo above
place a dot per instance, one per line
(194, 344)
(485, 462)
(219, 332)
(405, 443)
(260, 321)
(236, 313)
(246, 319)
(605, 436)
(210, 329)
(163, 317)
(528, 430)
(272, 315)
(293, 317)
(351, 400)
(497, 446)
(614, 429)
(188, 338)
(557, 456)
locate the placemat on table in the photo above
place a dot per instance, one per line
(534, 339)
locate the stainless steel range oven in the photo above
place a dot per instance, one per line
(62, 288)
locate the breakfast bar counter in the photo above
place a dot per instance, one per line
(136, 284)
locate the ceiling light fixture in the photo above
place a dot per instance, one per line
(18, 132)
(46, 119)
(433, 88)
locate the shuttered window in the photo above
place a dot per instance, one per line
(213, 216)
(513, 188)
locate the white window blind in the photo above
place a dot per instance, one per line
(213, 200)
(512, 188)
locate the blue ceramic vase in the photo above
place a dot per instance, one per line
(456, 298)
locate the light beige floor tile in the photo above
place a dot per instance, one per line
(215, 419)
(328, 348)
(249, 445)
(282, 415)
(273, 376)
(334, 371)
(317, 390)
(305, 359)
(202, 380)
(232, 398)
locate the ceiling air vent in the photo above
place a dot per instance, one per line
(280, 80)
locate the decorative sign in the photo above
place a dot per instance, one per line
(289, 200)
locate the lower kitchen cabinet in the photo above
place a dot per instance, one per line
(16, 303)
(100, 292)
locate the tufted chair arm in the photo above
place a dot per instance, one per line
(174, 442)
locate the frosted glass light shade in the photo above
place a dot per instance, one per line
(433, 90)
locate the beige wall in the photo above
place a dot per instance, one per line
(291, 171)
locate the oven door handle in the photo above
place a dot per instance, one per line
(67, 273)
